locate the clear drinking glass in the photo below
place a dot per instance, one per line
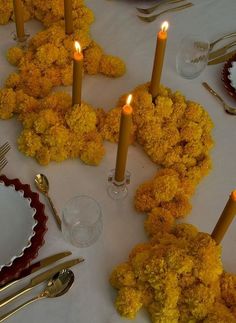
(82, 221)
(192, 56)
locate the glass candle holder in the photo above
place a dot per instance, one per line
(192, 56)
(82, 221)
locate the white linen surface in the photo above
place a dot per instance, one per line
(121, 33)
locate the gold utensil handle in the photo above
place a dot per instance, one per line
(223, 37)
(15, 295)
(222, 50)
(207, 86)
(153, 17)
(153, 8)
(8, 285)
(56, 216)
(5, 316)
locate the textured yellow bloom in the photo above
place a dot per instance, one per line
(178, 276)
(220, 314)
(27, 119)
(199, 300)
(13, 81)
(228, 288)
(144, 197)
(59, 101)
(128, 302)
(185, 231)
(179, 206)
(46, 118)
(25, 103)
(158, 220)
(122, 275)
(67, 74)
(7, 103)
(93, 150)
(112, 66)
(164, 106)
(43, 156)
(82, 17)
(92, 57)
(6, 10)
(47, 54)
(29, 142)
(14, 55)
(81, 119)
(165, 186)
(191, 131)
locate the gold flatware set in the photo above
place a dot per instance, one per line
(150, 10)
(59, 280)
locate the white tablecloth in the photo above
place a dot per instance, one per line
(118, 30)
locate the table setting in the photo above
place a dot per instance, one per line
(117, 161)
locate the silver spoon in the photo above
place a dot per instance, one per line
(42, 184)
(57, 286)
(226, 107)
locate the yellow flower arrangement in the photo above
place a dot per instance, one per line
(55, 131)
(177, 276)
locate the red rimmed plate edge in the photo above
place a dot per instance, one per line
(37, 241)
(226, 80)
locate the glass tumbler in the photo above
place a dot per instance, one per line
(82, 221)
(192, 56)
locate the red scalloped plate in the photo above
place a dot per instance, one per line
(12, 272)
(225, 78)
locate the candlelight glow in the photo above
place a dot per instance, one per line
(129, 99)
(77, 47)
(164, 26)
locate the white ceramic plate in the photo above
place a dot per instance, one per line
(232, 75)
(16, 224)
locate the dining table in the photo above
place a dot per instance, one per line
(118, 30)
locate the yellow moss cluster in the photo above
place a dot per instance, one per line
(176, 134)
(55, 131)
(177, 276)
(6, 11)
(47, 62)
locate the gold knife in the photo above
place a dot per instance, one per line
(37, 266)
(222, 59)
(39, 279)
(221, 51)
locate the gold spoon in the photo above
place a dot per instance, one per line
(42, 184)
(226, 107)
(57, 286)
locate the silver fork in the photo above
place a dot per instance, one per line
(153, 8)
(4, 149)
(153, 17)
(3, 163)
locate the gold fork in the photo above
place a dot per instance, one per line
(152, 18)
(153, 8)
(3, 163)
(4, 149)
(221, 38)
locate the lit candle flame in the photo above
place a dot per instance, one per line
(164, 26)
(77, 47)
(129, 99)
